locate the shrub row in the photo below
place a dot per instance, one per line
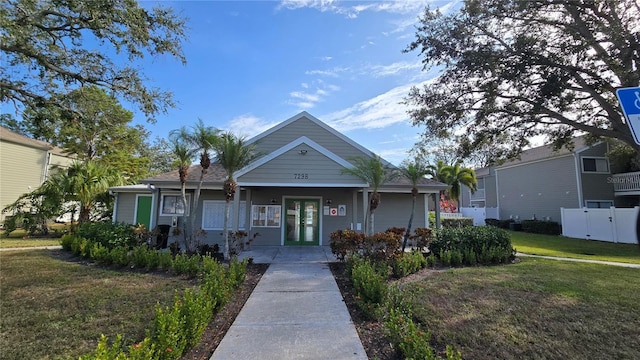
(109, 235)
(472, 245)
(178, 328)
(379, 246)
(503, 224)
(541, 227)
(379, 301)
(449, 222)
(530, 226)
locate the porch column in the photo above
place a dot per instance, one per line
(236, 209)
(425, 198)
(247, 212)
(437, 209)
(354, 208)
(365, 202)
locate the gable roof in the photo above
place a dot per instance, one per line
(13, 137)
(321, 124)
(216, 174)
(547, 152)
(299, 141)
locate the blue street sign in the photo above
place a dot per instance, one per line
(629, 99)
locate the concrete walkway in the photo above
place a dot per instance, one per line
(295, 312)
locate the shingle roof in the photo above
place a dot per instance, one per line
(216, 175)
(546, 151)
(10, 136)
(14, 137)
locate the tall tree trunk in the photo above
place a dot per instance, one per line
(185, 231)
(226, 229)
(85, 211)
(408, 232)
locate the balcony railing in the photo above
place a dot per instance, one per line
(626, 183)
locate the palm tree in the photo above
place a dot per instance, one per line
(200, 138)
(183, 156)
(413, 171)
(85, 182)
(437, 171)
(233, 153)
(374, 173)
(456, 176)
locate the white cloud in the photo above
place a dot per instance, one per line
(393, 69)
(378, 112)
(248, 125)
(329, 72)
(305, 100)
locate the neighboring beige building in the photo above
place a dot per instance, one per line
(25, 164)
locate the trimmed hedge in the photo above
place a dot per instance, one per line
(470, 245)
(541, 227)
(503, 224)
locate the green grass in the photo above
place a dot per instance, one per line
(550, 245)
(535, 309)
(20, 238)
(52, 308)
(17, 243)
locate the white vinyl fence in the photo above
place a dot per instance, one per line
(479, 214)
(616, 225)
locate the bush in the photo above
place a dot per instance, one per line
(503, 224)
(345, 243)
(422, 237)
(380, 246)
(456, 222)
(489, 245)
(110, 235)
(184, 264)
(100, 254)
(370, 286)
(541, 227)
(407, 263)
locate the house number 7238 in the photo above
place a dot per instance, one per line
(301, 176)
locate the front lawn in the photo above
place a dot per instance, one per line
(535, 309)
(550, 245)
(56, 308)
(6, 243)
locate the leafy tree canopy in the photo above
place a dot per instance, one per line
(45, 50)
(515, 69)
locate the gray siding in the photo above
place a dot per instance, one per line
(395, 210)
(539, 188)
(312, 168)
(595, 186)
(126, 208)
(490, 194)
(308, 128)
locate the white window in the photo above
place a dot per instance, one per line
(266, 215)
(598, 204)
(213, 214)
(595, 165)
(172, 205)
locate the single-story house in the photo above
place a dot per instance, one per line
(295, 193)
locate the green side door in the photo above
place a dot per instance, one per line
(303, 222)
(143, 211)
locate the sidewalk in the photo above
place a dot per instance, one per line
(53, 247)
(295, 312)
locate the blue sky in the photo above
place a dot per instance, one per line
(253, 64)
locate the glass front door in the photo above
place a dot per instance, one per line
(302, 222)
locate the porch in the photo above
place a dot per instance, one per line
(626, 183)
